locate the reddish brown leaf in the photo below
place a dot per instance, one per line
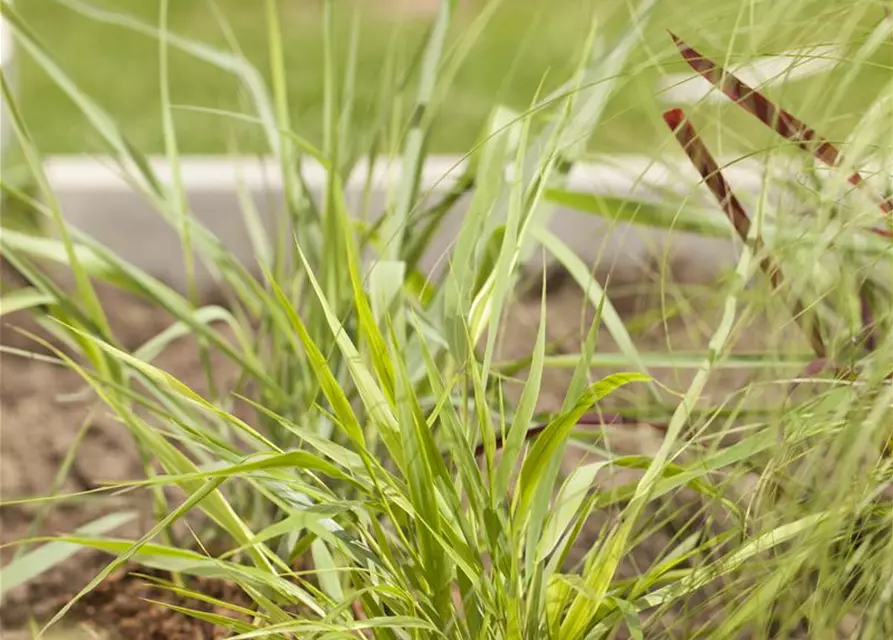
(709, 170)
(868, 327)
(704, 162)
(777, 119)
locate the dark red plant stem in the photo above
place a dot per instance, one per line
(868, 328)
(708, 168)
(777, 119)
(603, 419)
(811, 370)
(360, 614)
(755, 103)
(815, 367)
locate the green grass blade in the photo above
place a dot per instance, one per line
(612, 320)
(557, 431)
(521, 422)
(372, 395)
(175, 515)
(643, 213)
(599, 577)
(85, 291)
(396, 223)
(40, 560)
(329, 384)
(23, 299)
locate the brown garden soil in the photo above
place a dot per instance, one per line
(40, 421)
(39, 426)
(130, 604)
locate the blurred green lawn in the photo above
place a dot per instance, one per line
(528, 42)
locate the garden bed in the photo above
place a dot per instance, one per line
(40, 427)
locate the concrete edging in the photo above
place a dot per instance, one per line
(96, 199)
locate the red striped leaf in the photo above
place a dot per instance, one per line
(777, 119)
(706, 165)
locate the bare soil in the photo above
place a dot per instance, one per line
(41, 420)
(129, 605)
(42, 410)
